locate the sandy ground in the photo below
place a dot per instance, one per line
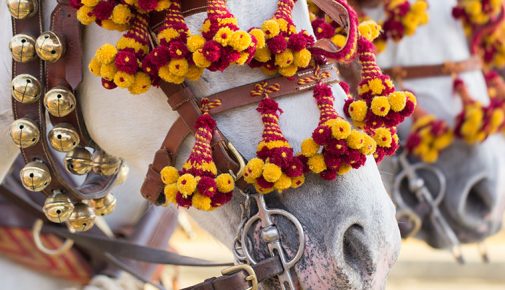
(419, 267)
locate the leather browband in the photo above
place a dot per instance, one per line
(426, 71)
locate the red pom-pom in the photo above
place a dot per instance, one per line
(205, 121)
(207, 186)
(212, 51)
(297, 41)
(277, 44)
(321, 135)
(108, 84)
(183, 201)
(126, 61)
(281, 156)
(147, 5)
(268, 106)
(263, 183)
(178, 49)
(221, 198)
(329, 174)
(103, 10)
(295, 169)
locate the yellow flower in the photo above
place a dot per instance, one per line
(85, 16)
(253, 169)
(244, 56)
(106, 53)
(240, 40)
(223, 36)
(168, 34)
(178, 67)
(200, 60)
(271, 28)
(94, 66)
(380, 106)
(443, 141)
(121, 14)
(283, 183)
(363, 89)
(263, 54)
(383, 137)
(90, 3)
(369, 145)
(356, 140)
(284, 59)
(271, 172)
(357, 110)
(167, 76)
(108, 71)
(195, 42)
(169, 174)
(340, 128)
(141, 84)
(430, 156)
(309, 147)
(369, 29)
(170, 192)
(283, 24)
(397, 100)
(123, 80)
(201, 202)
(263, 190)
(225, 182)
(376, 86)
(186, 184)
(260, 37)
(316, 163)
(163, 5)
(343, 169)
(302, 58)
(288, 71)
(297, 181)
(194, 73)
(206, 26)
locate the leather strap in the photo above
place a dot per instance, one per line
(437, 70)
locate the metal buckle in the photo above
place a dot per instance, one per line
(251, 275)
(237, 175)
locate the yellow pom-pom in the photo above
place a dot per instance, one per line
(339, 40)
(496, 121)
(170, 191)
(123, 80)
(94, 66)
(244, 56)
(85, 15)
(178, 67)
(141, 84)
(106, 53)
(253, 169)
(111, 25)
(357, 110)
(263, 54)
(369, 145)
(369, 29)
(288, 71)
(169, 174)
(268, 71)
(356, 140)
(430, 156)
(380, 106)
(302, 58)
(260, 37)
(163, 5)
(168, 34)
(284, 58)
(297, 181)
(240, 40)
(283, 183)
(397, 100)
(195, 42)
(263, 190)
(223, 36)
(90, 3)
(225, 183)
(270, 28)
(383, 137)
(121, 14)
(340, 128)
(309, 147)
(166, 75)
(108, 71)
(271, 172)
(316, 163)
(376, 86)
(201, 202)
(442, 142)
(200, 60)
(186, 184)
(283, 24)
(343, 169)
(194, 73)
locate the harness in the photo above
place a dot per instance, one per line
(57, 78)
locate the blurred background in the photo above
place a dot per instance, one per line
(418, 267)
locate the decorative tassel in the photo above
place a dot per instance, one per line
(335, 148)
(197, 184)
(275, 166)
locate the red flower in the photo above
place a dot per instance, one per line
(160, 56)
(212, 51)
(207, 186)
(321, 135)
(126, 61)
(263, 183)
(178, 49)
(148, 5)
(329, 174)
(183, 201)
(221, 198)
(295, 168)
(103, 10)
(297, 41)
(277, 44)
(108, 84)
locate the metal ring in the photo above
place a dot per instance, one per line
(292, 219)
(411, 216)
(37, 228)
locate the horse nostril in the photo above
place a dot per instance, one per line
(479, 201)
(356, 251)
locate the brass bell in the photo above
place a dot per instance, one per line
(105, 164)
(63, 138)
(24, 132)
(25, 89)
(59, 102)
(78, 161)
(82, 218)
(22, 48)
(105, 205)
(122, 175)
(21, 9)
(58, 208)
(35, 176)
(49, 47)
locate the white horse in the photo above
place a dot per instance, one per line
(352, 239)
(474, 201)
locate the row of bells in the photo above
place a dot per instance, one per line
(80, 216)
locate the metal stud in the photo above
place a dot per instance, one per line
(58, 208)
(49, 46)
(105, 205)
(63, 138)
(22, 48)
(35, 176)
(82, 218)
(24, 132)
(25, 89)
(59, 102)
(78, 161)
(22, 9)
(105, 164)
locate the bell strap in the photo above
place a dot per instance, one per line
(438, 70)
(185, 103)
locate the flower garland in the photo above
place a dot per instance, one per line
(428, 137)
(476, 13)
